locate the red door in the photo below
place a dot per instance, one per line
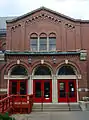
(67, 91)
(42, 90)
(18, 87)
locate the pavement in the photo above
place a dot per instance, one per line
(70, 115)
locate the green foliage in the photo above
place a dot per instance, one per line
(6, 117)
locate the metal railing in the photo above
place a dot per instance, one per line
(16, 101)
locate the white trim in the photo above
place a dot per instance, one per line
(47, 43)
(15, 77)
(68, 76)
(77, 89)
(42, 77)
(3, 90)
(38, 42)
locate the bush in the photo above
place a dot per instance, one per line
(6, 117)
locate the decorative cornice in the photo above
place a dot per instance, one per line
(41, 53)
(43, 16)
(15, 26)
(69, 26)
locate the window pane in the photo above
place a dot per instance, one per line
(62, 90)
(33, 44)
(14, 88)
(46, 89)
(71, 89)
(66, 70)
(52, 47)
(38, 90)
(43, 44)
(52, 43)
(22, 88)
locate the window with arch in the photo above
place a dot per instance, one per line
(42, 70)
(43, 42)
(52, 42)
(19, 70)
(33, 42)
(66, 70)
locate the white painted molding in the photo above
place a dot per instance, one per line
(3, 90)
(41, 77)
(15, 77)
(69, 77)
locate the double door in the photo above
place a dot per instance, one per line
(42, 90)
(67, 91)
(18, 87)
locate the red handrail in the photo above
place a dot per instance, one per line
(3, 96)
(13, 100)
(5, 104)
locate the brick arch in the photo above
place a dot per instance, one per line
(75, 67)
(52, 34)
(33, 34)
(38, 63)
(12, 64)
(43, 34)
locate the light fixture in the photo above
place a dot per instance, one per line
(29, 60)
(54, 60)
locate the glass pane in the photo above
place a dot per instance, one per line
(33, 47)
(71, 89)
(33, 41)
(42, 70)
(46, 89)
(66, 70)
(14, 88)
(19, 70)
(33, 44)
(37, 89)
(22, 88)
(62, 92)
(52, 43)
(43, 44)
(43, 47)
(52, 47)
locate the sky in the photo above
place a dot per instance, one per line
(78, 9)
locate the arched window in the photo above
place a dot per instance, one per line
(43, 42)
(33, 42)
(42, 70)
(66, 70)
(52, 42)
(19, 70)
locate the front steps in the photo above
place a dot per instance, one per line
(46, 107)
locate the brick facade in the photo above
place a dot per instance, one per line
(71, 36)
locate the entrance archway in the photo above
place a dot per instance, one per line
(42, 85)
(18, 81)
(67, 84)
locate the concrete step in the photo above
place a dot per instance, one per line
(55, 107)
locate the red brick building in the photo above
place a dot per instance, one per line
(45, 53)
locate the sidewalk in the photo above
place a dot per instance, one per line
(79, 115)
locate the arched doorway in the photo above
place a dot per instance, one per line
(18, 81)
(67, 84)
(42, 85)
